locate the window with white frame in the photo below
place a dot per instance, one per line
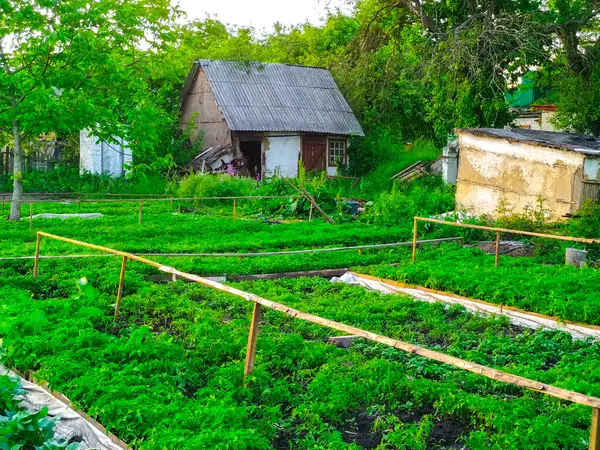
(337, 152)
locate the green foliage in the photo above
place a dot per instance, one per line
(68, 179)
(20, 429)
(554, 290)
(223, 185)
(428, 195)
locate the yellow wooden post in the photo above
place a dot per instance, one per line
(120, 290)
(171, 203)
(497, 247)
(30, 214)
(234, 210)
(141, 212)
(36, 261)
(251, 351)
(360, 251)
(595, 430)
(414, 243)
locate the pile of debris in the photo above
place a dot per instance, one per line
(417, 170)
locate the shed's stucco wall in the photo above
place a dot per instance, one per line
(494, 172)
(281, 155)
(200, 107)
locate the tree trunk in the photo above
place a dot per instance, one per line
(18, 166)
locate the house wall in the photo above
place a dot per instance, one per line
(200, 109)
(494, 171)
(281, 154)
(100, 157)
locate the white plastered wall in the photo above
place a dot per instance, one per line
(494, 172)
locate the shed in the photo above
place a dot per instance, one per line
(513, 168)
(267, 116)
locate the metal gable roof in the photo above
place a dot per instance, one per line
(279, 97)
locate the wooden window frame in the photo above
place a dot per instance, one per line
(344, 158)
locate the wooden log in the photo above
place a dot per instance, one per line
(252, 335)
(120, 290)
(309, 197)
(497, 247)
(414, 242)
(595, 430)
(36, 262)
(507, 230)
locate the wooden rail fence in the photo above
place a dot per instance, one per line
(259, 302)
(498, 231)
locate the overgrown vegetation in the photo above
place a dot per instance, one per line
(21, 429)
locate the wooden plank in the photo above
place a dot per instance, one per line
(312, 201)
(414, 241)
(497, 248)
(405, 171)
(252, 335)
(36, 263)
(120, 290)
(485, 371)
(506, 230)
(595, 430)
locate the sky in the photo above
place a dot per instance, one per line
(262, 14)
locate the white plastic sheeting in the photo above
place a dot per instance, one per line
(523, 319)
(70, 423)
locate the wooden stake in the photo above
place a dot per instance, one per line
(595, 430)
(360, 251)
(414, 246)
(251, 351)
(120, 291)
(36, 262)
(171, 203)
(310, 212)
(234, 211)
(497, 247)
(30, 215)
(141, 212)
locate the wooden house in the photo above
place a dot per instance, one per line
(267, 115)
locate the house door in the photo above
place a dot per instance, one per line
(314, 153)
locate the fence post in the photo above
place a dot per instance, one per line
(171, 203)
(234, 209)
(414, 243)
(141, 212)
(497, 247)
(120, 291)
(251, 351)
(36, 261)
(30, 215)
(310, 213)
(595, 430)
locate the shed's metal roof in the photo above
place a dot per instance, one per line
(279, 97)
(580, 143)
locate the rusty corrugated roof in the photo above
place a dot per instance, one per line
(279, 97)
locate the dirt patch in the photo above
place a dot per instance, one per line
(360, 432)
(508, 248)
(446, 434)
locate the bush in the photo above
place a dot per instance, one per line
(223, 185)
(426, 196)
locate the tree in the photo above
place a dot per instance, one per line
(73, 64)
